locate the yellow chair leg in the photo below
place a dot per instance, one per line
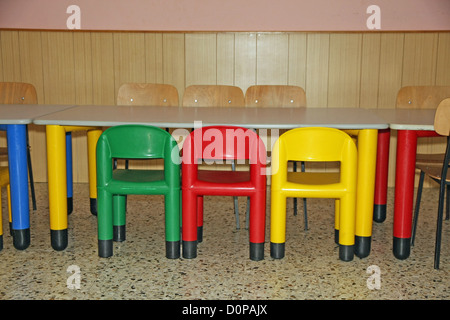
(277, 224)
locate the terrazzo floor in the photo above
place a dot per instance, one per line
(222, 271)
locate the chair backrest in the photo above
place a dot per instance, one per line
(314, 144)
(17, 93)
(422, 97)
(220, 143)
(275, 96)
(148, 94)
(136, 142)
(213, 96)
(442, 118)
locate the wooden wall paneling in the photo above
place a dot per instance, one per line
(317, 65)
(201, 58)
(443, 60)
(272, 58)
(10, 57)
(83, 68)
(153, 58)
(102, 46)
(344, 70)
(226, 59)
(391, 69)
(174, 61)
(297, 59)
(129, 59)
(370, 70)
(245, 60)
(30, 44)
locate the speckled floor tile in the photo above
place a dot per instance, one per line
(222, 271)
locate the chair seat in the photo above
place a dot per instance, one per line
(314, 178)
(223, 177)
(433, 171)
(430, 158)
(138, 182)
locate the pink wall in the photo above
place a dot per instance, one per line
(227, 15)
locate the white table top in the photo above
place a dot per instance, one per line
(25, 113)
(408, 119)
(184, 117)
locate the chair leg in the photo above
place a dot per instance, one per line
(119, 217)
(437, 251)
(417, 208)
(447, 198)
(189, 224)
(305, 212)
(172, 223)
(105, 224)
(236, 208)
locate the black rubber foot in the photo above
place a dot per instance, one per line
(93, 202)
(69, 205)
(119, 233)
(277, 250)
(336, 236)
(1, 242)
(21, 238)
(105, 248)
(379, 212)
(256, 251)
(362, 246)
(200, 234)
(172, 249)
(402, 248)
(189, 249)
(59, 239)
(346, 253)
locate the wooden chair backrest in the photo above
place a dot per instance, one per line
(422, 97)
(275, 96)
(213, 96)
(17, 93)
(148, 94)
(442, 118)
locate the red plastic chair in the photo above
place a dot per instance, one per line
(219, 143)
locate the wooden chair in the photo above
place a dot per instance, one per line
(275, 96)
(217, 96)
(147, 94)
(279, 96)
(423, 97)
(213, 96)
(437, 172)
(20, 93)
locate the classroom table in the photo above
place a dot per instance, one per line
(410, 125)
(13, 119)
(361, 122)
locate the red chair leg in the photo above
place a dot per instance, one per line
(257, 225)
(189, 224)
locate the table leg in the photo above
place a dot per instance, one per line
(57, 185)
(367, 156)
(18, 171)
(404, 192)
(381, 178)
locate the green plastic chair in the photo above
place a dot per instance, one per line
(136, 142)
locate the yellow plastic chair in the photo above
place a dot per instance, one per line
(314, 144)
(279, 96)
(4, 182)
